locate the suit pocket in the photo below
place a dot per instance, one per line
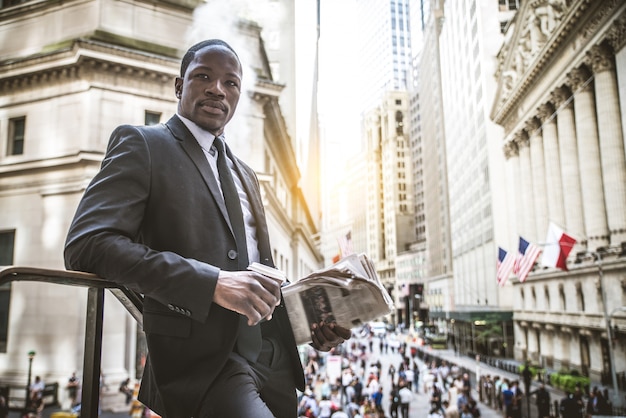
(171, 325)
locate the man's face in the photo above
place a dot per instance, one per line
(210, 89)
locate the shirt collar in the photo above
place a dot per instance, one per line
(204, 138)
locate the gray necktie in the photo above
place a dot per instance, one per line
(249, 338)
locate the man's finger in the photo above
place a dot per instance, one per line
(344, 333)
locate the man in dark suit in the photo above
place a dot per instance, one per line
(159, 218)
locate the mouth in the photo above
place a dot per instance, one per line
(213, 106)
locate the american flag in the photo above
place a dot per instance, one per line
(506, 262)
(345, 244)
(526, 257)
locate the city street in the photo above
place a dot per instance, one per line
(420, 405)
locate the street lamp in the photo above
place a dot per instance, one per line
(607, 321)
(31, 356)
(616, 397)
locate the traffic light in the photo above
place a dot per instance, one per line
(419, 289)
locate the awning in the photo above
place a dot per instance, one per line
(471, 316)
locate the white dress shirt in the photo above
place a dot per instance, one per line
(205, 140)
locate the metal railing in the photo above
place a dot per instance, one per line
(16, 396)
(132, 301)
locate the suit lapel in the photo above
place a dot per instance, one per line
(251, 186)
(193, 149)
(248, 179)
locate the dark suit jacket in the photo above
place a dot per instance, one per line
(153, 219)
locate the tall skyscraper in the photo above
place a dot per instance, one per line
(384, 48)
(469, 41)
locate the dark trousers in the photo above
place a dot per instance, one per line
(264, 389)
(404, 407)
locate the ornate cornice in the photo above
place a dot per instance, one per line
(537, 40)
(41, 6)
(84, 60)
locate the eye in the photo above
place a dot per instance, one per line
(232, 83)
(202, 76)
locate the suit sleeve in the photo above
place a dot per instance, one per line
(104, 237)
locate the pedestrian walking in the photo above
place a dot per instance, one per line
(406, 396)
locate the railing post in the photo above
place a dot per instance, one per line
(90, 397)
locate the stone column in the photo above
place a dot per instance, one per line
(611, 140)
(565, 354)
(570, 169)
(547, 347)
(616, 37)
(526, 213)
(554, 185)
(538, 171)
(596, 228)
(532, 345)
(512, 157)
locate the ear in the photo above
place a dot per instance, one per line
(178, 87)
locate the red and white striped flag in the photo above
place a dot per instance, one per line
(345, 244)
(506, 262)
(526, 257)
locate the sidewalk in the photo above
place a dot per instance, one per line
(472, 366)
(420, 404)
(47, 413)
(485, 369)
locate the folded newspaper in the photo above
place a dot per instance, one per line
(348, 293)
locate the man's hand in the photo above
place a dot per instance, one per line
(327, 336)
(247, 293)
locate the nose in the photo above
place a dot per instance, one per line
(215, 88)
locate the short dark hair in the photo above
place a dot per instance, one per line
(191, 52)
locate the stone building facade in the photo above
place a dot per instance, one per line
(561, 100)
(70, 72)
(390, 210)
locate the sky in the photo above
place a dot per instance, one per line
(338, 78)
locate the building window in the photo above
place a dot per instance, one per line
(399, 123)
(16, 136)
(9, 3)
(7, 240)
(152, 118)
(506, 5)
(580, 297)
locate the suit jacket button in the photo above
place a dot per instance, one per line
(232, 254)
(170, 307)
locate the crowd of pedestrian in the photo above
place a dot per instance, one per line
(364, 384)
(359, 392)
(506, 396)
(576, 405)
(361, 389)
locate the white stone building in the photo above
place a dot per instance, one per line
(70, 72)
(561, 100)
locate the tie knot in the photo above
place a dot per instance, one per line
(219, 144)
